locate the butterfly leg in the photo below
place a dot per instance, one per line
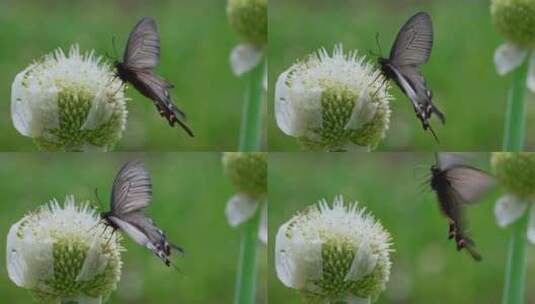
(380, 87)
(120, 87)
(111, 235)
(451, 230)
(94, 226)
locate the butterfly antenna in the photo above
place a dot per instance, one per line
(177, 248)
(98, 199)
(378, 43)
(114, 46)
(418, 174)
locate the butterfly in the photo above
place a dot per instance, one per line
(140, 58)
(131, 193)
(455, 185)
(411, 49)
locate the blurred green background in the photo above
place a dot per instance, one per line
(426, 266)
(460, 72)
(196, 40)
(189, 197)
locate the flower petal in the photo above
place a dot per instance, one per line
(531, 226)
(240, 208)
(28, 261)
(244, 57)
(263, 230)
(363, 111)
(293, 118)
(29, 114)
(293, 270)
(531, 73)
(100, 112)
(94, 262)
(363, 263)
(508, 209)
(508, 56)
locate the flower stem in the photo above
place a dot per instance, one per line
(516, 263)
(245, 291)
(251, 124)
(515, 119)
(515, 272)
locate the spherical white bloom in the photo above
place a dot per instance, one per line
(333, 102)
(69, 102)
(64, 253)
(332, 254)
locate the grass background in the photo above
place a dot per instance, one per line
(460, 72)
(195, 44)
(426, 266)
(189, 197)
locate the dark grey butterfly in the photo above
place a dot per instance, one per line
(140, 58)
(411, 49)
(456, 185)
(131, 193)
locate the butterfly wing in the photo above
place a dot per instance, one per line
(143, 46)
(452, 206)
(157, 89)
(414, 41)
(468, 182)
(132, 231)
(144, 232)
(414, 88)
(132, 189)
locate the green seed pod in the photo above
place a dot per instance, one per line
(515, 20)
(516, 172)
(249, 19)
(247, 171)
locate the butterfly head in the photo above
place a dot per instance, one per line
(382, 61)
(435, 181)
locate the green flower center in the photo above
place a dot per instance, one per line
(337, 258)
(74, 104)
(516, 172)
(69, 256)
(515, 20)
(249, 19)
(337, 106)
(247, 172)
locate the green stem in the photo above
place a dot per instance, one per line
(516, 263)
(515, 119)
(251, 124)
(246, 281)
(515, 272)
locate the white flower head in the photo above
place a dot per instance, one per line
(69, 102)
(333, 102)
(334, 253)
(64, 253)
(515, 21)
(516, 173)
